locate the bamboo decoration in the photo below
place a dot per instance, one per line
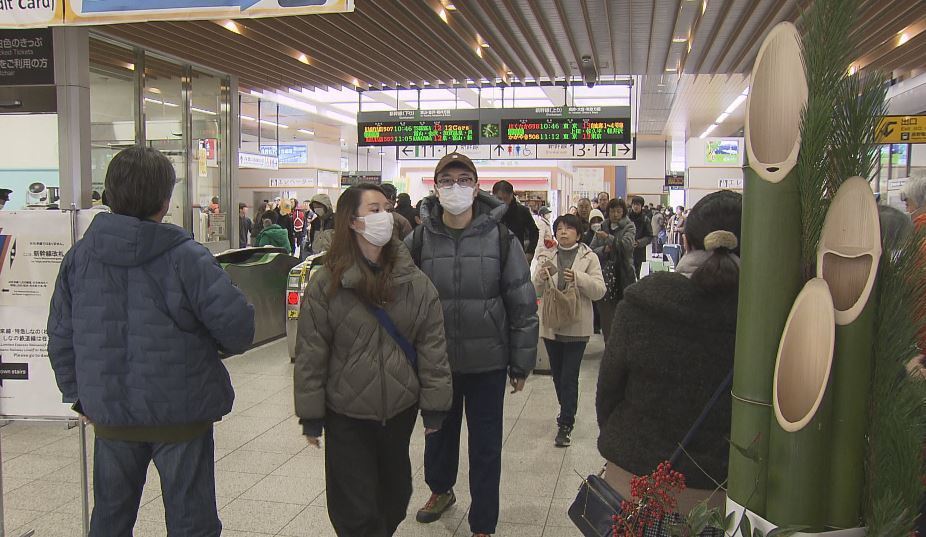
(770, 270)
(799, 440)
(848, 259)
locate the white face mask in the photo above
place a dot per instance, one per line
(456, 199)
(377, 228)
(596, 227)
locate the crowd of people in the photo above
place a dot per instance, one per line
(430, 310)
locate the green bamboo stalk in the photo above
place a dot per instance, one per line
(769, 281)
(799, 431)
(852, 369)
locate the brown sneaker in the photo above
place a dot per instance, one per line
(435, 507)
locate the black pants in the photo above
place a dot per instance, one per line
(565, 362)
(187, 475)
(368, 473)
(483, 396)
(607, 310)
(639, 256)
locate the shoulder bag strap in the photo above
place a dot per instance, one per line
(410, 353)
(724, 386)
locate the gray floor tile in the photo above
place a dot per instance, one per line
(285, 489)
(507, 530)
(42, 496)
(234, 484)
(258, 516)
(311, 522)
(252, 462)
(15, 519)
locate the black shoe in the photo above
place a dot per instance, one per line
(563, 436)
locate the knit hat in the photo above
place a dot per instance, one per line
(594, 213)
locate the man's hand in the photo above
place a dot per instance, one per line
(602, 235)
(517, 384)
(314, 441)
(429, 431)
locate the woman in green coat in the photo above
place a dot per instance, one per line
(272, 234)
(370, 353)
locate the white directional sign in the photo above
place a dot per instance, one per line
(522, 152)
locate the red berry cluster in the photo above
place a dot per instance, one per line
(653, 496)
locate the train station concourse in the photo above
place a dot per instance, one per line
(546, 268)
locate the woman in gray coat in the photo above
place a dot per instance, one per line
(614, 245)
(371, 351)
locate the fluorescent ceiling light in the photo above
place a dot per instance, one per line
(443, 16)
(721, 118)
(287, 101)
(342, 118)
(307, 131)
(158, 101)
(273, 124)
(204, 111)
(708, 131)
(247, 118)
(735, 104)
(679, 39)
(671, 69)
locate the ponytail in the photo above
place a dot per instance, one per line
(720, 273)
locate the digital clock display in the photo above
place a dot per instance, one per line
(566, 130)
(452, 132)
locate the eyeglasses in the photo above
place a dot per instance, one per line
(464, 181)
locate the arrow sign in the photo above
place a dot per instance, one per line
(626, 148)
(499, 150)
(406, 150)
(99, 6)
(13, 371)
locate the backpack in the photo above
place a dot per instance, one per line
(504, 244)
(298, 221)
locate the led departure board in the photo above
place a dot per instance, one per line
(428, 132)
(566, 130)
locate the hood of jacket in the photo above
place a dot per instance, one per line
(403, 270)
(488, 211)
(125, 241)
(322, 199)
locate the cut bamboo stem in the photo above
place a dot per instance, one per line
(770, 276)
(798, 440)
(848, 259)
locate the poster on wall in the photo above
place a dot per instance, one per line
(720, 151)
(32, 246)
(26, 57)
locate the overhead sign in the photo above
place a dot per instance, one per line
(566, 130)
(433, 132)
(675, 182)
(299, 182)
(40, 13)
(26, 57)
(258, 162)
(522, 151)
(289, 154)
(902, 130)
(562, 125)
(730, 184)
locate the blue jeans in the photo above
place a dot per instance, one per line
(187, 475)
(483, 395)
(565, 362)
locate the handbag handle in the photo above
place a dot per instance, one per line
(724, 386)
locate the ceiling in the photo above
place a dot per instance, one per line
(688, 56)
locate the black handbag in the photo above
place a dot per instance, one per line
(597, 503)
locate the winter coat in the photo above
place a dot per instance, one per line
(285, 221)
(245, 228)
(273, 235)
(347, 361)
(616, 251)
(519, 220)
(589, 282)
(137, 318)
(321, 224)
(650, 395)
(403, 228)
(408, 212)
(490, 311)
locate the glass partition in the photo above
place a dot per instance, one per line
(209, 115)
(164, 114)
(112, 106)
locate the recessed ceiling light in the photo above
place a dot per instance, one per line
(479, 51)
(671, 69)
(451, 7)
(303, 58)
(443, 16)
(155, 91)
(484, 45)
(231, 26)
(904, 37)
(679, 39)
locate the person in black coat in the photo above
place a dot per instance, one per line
(518, 219)
(649, 395)
(644, 232)
(404, 207)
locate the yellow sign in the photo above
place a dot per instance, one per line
(292, 314)
(41, 13)
(902, 130)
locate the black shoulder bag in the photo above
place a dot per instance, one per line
(597, 502)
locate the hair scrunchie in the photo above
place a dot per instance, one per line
(720, 239)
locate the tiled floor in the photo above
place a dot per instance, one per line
(269, 482)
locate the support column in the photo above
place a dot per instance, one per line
(72, 85)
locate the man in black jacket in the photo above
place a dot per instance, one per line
(490, 316)
(644, 233)
(518, 219)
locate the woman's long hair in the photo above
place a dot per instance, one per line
(376, 286)
(719, 211)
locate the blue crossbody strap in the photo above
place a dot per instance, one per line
(410, 353)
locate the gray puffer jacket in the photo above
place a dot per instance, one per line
(346, 361)
(490, 311)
